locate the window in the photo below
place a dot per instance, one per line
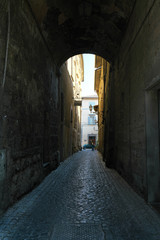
(92, 103)
(92, 139)
(92, 120)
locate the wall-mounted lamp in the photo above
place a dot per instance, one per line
(98, 68)
(90, 108)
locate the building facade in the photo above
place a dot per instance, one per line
(89, 126)
(75, 68)
(101, 87)
(71, 78)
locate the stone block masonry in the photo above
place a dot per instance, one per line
(29, 107)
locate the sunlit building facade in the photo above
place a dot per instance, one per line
(89, 126)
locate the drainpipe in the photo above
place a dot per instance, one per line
(7, 45)
(104, 77)
(3, 118)
(3, 152)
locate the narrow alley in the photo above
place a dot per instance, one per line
(81, 200)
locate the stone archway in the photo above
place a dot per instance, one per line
(45, 33)
(79, 26)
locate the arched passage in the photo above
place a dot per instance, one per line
(43, 34)
(83, 26)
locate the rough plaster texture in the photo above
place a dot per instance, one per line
(136, 66)
(66, 123)
(71, 77)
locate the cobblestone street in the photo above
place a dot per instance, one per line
(81, 200)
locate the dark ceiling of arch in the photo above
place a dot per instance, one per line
(77, 26)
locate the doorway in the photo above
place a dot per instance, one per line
(92, 139)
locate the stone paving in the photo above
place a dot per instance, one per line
(81, 200)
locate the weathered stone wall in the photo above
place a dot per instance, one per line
(67, 108)
(108, 154)
(136, 66)
(29, 107)
(101, 111)
(71, 77)
(76, 71)
(103, 90)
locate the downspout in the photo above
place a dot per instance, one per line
(5, 69)
(104, 120)
(7, 46)
(3, 120)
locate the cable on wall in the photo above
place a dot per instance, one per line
(7, 45)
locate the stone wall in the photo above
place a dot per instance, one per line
(102, 86)
(67, 108)
(29, 107)
(76, 70)
(136, 68)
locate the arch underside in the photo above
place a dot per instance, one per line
(73, 27)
